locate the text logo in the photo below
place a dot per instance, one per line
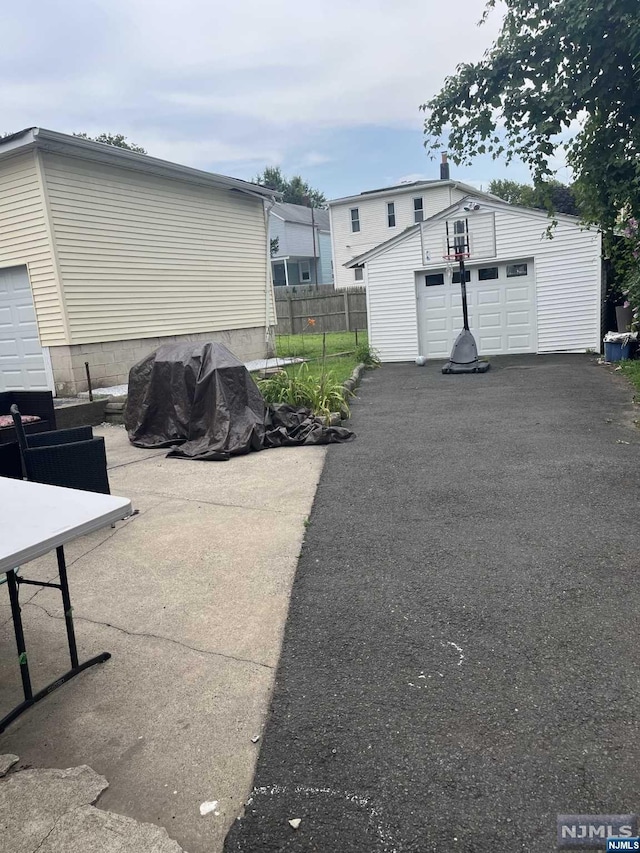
(589, 830)
(623, 843)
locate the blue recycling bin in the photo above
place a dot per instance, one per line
(616, 352)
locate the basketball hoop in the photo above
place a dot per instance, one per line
(456, 257)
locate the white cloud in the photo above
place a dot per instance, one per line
(414, 176)
(248, 82)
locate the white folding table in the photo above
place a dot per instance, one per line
(35, 519)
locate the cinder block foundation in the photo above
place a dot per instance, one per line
(110, 362)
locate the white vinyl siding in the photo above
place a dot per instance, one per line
(568, 276)
(566, 269)
(146, 256)
(391, 301)
(25, 240)
(373, 222)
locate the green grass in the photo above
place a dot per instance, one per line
(309, 345)
(340, 368)
(631, 370)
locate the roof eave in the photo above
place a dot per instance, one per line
(51, 140)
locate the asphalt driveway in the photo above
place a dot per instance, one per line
(461, 661)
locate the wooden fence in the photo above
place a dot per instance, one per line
(333, 310)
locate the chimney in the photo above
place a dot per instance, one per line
(444, 169)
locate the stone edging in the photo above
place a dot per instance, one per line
(352, 383)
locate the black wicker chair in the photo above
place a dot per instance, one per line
(10, 460)
(37, 403)
(66, 457)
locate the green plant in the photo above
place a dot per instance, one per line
(366, 355)
(297, 387)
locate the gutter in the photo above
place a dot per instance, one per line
(268, 286)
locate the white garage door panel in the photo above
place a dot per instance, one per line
(502, 314)
(22, 365)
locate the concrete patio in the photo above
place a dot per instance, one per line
(190, 597)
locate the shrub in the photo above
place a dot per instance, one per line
(323, 395)
(365, 355)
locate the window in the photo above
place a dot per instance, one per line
(391, 214)
(487, 273)
(434, 279)
(305, 271)
(359, 273)
(456, 277)
(418, 210)
(355, 219)
(515, 270)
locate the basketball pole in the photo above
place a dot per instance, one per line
(463, 286)
(464, 355)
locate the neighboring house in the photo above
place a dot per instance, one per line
(361, 222)
(303, 248)
(106, 254)
(527, 293)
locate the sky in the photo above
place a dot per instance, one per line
(329, 90)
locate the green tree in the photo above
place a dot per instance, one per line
(294, 190)
(116, 139)
(551, 196)
(557, 65)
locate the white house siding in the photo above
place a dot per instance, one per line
(25, 240)
(373, 222)
(567, 272)
(568, 278)
(144, 256)
(391, 300)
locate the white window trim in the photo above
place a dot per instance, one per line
(305, 266)
(357, 270)
(390, 214)
(421, 211)
(353, 221)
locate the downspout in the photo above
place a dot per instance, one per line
(268, 289)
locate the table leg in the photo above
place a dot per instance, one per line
(30, 698)
(17, 627)
(66, 603)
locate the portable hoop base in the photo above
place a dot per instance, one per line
(464, 355)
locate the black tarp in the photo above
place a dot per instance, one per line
(200, 400)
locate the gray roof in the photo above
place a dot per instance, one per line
(64, 143)
(411, 187)
(301, 215)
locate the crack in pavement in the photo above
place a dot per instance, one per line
(55, 823)
(186, 499)
(146, 635)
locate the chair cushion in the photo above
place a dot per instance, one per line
(7, 420)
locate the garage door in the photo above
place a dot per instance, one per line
(502, 309)
(22, 363)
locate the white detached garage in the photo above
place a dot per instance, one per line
(526, 293)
